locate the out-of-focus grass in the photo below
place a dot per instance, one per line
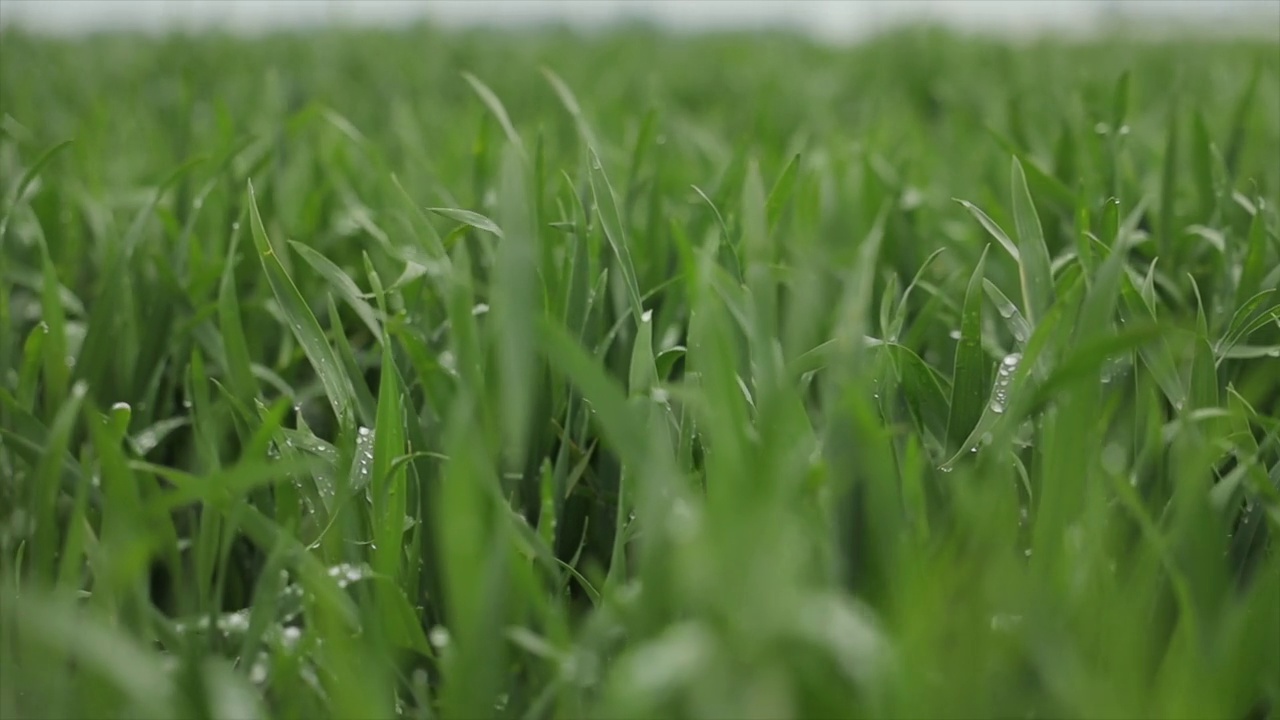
(532, 375)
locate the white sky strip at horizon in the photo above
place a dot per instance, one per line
(832, 19)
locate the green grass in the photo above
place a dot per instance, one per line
(538, 375)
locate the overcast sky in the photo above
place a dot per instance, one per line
(833, 18)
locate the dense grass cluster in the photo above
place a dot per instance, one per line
(373, 374)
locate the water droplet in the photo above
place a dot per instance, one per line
(235, 226)
(439, 637)
(1011, 360)
(346, 573)
(955, 334)
(1027, 552)
(234, 623)
(1102, 128)
(448, 362)
(1004, 622)
(258, 673)
(197, 203)
(646, 316)
(480, 309)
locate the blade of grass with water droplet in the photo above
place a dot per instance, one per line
(1033, 254)
(606, 206)
(57, 376)
(888, 299)
(366, 404)
(970, 372)
(643, 374)
(1018, 325)
(993, 229)
(303, 323)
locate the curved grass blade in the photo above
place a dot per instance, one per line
(490, 99)
(925, 390)
(1033, 263)
(969, 377)
(607, 209)
(28, 177)
(302, 322)
(782, 190)
(517, 297)
(235, 347)
(467, 217)
(1018, 325)
(993, 229)
(341, 282)
(571, 104)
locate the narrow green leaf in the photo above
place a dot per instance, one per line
(970, 374)
(495, 106)
(471, 219)
(24, 183)
(994, 230)
(1033, 260)
(782, 191)
(303, 323)
(606, 205)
